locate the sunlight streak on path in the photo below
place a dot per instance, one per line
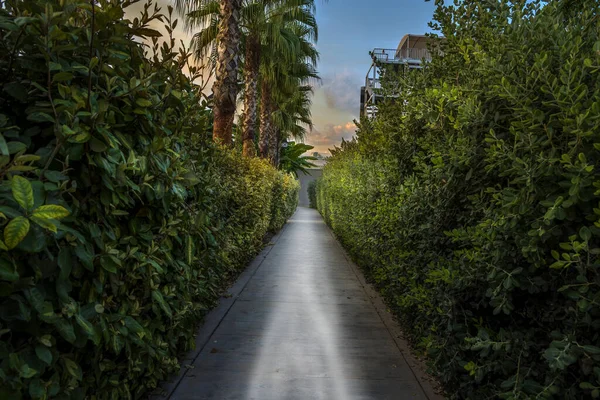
(302, 329)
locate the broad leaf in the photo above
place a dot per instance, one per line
(51, 211)
(15, 232)
(43, 353)
(157, 295)
(22, 192)
(44, 223)
(65, 328)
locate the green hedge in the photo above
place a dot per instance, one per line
(474, 203)
(120, 221)
(312, 193)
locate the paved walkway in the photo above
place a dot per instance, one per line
(302, 328)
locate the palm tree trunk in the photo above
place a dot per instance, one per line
(274, 143)
(265, 120)
(225, 89)
(250, 99)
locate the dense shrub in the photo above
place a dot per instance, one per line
(473, 202)
(312, 193)
(121, 221)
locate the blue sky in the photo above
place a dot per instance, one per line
(348, 30)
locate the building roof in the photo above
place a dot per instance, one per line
(414, 41)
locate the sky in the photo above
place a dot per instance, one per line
(348, 30)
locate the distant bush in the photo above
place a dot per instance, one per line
(312, 193)
(121, 221)
(473, 203)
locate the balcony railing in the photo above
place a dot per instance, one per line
(400, 56)
(373, 83)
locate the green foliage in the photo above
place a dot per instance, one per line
(312, 194)
(473, 203)
(120, 221)
(292, 160)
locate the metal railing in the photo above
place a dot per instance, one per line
(400, 56)
(384, 55)
(373, 83)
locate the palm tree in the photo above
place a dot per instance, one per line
(226, 30)
(280, 42)
(285, 105)
(293, 161)
(264, 24)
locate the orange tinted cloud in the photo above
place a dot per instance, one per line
(329, 136)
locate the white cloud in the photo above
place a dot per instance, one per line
(342, 91)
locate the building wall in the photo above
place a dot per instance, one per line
(304, 181)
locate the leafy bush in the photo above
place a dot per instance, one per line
(121, 221)
(286, 190)
(312, 194)
(473, 203)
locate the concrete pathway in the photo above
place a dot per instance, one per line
(301, 328)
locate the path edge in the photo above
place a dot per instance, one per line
(213, 319)
(417, 366)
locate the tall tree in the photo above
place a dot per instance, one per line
(277, 36)
(228, 35)
(286, 92)
(266, 26)
(277, 32)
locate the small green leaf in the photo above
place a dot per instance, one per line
(43, 354)
(119, 212)
(16, 90)
(62, 76)
(46, 340)
(15, 232)
(27, 372)
(40, 117)
(44, 223)
(143, 102)
(54, 66)
(133, 325)
(3, 146)
(16, 147)
(86, 257)
(109, 264)
(80, 138)
(83, 323)
(65, 328)
(22, 192)
(51, 211)
(27, 158)
(36, 389)
(73, 368)
(158, 297)
(65, 262)
(585, 233)
(97, 145)
(591, 349)
(55, 176)
(8, 272)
